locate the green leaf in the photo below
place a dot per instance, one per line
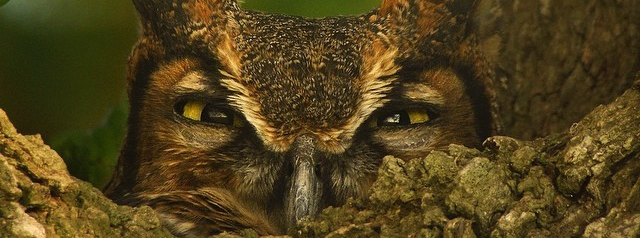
(2, 2)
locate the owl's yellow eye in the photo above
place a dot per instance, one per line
(206, 112)
(193, 110)
(402, 118)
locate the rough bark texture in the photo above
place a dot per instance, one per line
(38, 197)
(561, 59)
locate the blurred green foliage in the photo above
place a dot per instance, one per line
(63, 65)
(91, 155)
(2, 2)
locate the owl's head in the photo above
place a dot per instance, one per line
(240, 119)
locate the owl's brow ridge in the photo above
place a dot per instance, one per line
(193, 81)
(422, 93)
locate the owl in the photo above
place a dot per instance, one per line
(241, 119)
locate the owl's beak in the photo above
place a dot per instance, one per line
(305, 191)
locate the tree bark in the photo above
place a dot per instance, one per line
(38, 197)
(561, 59)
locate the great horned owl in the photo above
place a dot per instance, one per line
(241, 119)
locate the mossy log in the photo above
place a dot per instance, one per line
(584, 182)
(38, 197)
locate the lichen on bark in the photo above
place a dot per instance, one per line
(38, 197)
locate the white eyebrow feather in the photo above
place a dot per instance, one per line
(422, 93)
(193, 81)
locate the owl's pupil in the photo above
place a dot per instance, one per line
(397, 118)
(393, 119)
(216, 115)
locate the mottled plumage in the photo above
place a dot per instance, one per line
(241, 119)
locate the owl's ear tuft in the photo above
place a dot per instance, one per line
(176, 18)
(454, 6)
(389, 7)
(429, 18)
